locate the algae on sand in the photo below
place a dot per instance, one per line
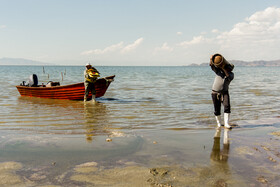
(116, 177)
(159, 176)
(276, 133)
(8, 176)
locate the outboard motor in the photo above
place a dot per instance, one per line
(33, 80)
(23, 83)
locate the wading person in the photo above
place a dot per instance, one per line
(91, 74)
(220, 94)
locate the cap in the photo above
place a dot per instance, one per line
(88, 64)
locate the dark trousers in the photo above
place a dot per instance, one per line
(89, 87)
(218, 99)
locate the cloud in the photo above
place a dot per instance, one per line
(111, 48)
(256, 37)
(259, 26)
(268, 16)
(115, 48)
(3, 26)
(132, 46)
(179, 33)
(196, 40)
(215, 31)
(253, 38)
(164, 47)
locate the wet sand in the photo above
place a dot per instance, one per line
(248, 155)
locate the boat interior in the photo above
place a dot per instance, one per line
(33, 82)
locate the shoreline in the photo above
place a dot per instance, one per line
(153, 158)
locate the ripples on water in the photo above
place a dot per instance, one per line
(159, 114)
(139, 98)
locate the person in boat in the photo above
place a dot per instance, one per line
(90, 74)
(220, 93)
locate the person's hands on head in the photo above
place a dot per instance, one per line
(211, 62)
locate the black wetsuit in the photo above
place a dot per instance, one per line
(220, 88)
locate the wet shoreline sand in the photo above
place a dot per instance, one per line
(249, 157)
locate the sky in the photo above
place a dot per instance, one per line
(139, 32)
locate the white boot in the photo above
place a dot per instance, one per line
(226, 118)
(85, 98)
(218, 119)
(217, 133)
(93, 99)
(226, 140)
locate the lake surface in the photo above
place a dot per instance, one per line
(155, 116)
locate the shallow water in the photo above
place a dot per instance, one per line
(155, 116)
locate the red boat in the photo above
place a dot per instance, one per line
(54, 91)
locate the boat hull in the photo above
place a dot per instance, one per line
(69, 92)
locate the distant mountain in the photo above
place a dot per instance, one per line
(272, 63)
(21, 62)
(256, 63)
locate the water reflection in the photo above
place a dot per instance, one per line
(51, 116)
(219, 155)
(97, 122)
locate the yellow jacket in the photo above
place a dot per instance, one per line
(91, 75)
